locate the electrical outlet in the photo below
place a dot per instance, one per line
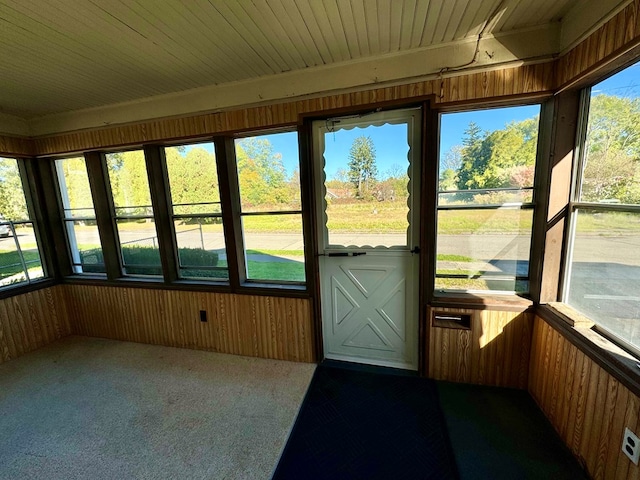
(631, 445)
(203, 315)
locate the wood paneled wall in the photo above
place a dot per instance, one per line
(16, 146)
(258, 326)
(587, 406)
(618, 33)
(528, 79)
(495, 351)
(32, 320)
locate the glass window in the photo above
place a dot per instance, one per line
(367, 184)
(134, 213)
(197, 211)
(79, 216)
(20, 260)
(485, 199)
(271, 211)
(604, 259)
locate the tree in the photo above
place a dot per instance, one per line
(612, 155)
(193, 177)
(12, 201)
(502, 158)
(262, 175)
(129, 181)
(78, 190)
(450, 163)
(362, 165)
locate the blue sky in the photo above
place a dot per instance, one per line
(390, 140)
(623, 84)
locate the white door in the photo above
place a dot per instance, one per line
(367, 173)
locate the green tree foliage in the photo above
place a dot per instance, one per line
(502, 158)
(612, 156)
(12, 201)
(78, 191)
(262, 175)
(362, 165)
(193, 179)
(129, 182)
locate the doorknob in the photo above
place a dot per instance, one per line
(415, 250)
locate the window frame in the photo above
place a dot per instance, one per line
(173, 216)
(575, 205)
(537, 203)
(236, 206)
(30, 180)
(164, 272)
(65, 220)
(157, 174)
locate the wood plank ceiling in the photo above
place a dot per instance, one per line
(63, 55)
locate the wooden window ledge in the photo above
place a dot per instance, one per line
(481, 301)
(580, 331)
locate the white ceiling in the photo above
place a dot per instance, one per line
(61, 56)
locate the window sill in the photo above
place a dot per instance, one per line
(298, 291)
(19, 289)
(578, 329)
(481, 301)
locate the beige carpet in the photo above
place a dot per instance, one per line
(100, 409)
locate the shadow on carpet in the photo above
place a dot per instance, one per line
(362, 425)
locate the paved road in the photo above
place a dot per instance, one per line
(621, 249)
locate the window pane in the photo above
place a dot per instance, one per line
(489, 248)
(193, 179)
(485, 197)
(487, 158)
(11, 266)
(129, 182)
(14, 260)
(269, 172)
(367, 185)
(139, 245)
(492, 148)
(605, 271)
(132, 197)
(274, 247)
(20, 259)
(86, 251)
(611, 168)
(74, 187)
(13, 204)
(201, 244)
(77, 202)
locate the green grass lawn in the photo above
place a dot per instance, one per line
(390, 217)
(10, 262)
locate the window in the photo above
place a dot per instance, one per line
(133, 213)
(270, 207)
(20, 260)
(79, 216)
(197, 211)
(485, 199)
(603, 268)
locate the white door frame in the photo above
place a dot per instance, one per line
(413, 118)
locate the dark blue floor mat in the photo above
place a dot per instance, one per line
(362, 425)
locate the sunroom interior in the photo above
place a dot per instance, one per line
(445, 188)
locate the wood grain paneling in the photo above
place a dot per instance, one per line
(32, 320)
(587, 406)
(608, 41)
(16, 146)
(528, 79)
(258, 326)
(495, 351)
